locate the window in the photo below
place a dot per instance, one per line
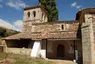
(34, 13)
(42, 16)
(28, 14)
(62, 26)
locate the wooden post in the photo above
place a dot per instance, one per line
(46, 47)
(74, 49)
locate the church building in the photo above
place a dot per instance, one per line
(56, 39)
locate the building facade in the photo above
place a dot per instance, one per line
(59, 39)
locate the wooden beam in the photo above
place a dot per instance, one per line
(63, 39)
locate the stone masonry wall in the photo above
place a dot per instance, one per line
(93, 22)
(52, 27)
(38, 22)
(23, 51)
(86, 45)
(88, 40)
(29, 18)
(68, 45)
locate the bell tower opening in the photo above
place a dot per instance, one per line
(35, 14)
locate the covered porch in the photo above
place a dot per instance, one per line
(57, 45)
(18, 46)
(63, 48)
(48, 48)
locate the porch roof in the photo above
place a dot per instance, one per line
(52, 35)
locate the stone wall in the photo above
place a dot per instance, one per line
(24, 51)
(88, 40)
(38, 22)
(93, 22)
(68, 45)
(40, 16)
(86, 45)
(52, 49)
(57, 26)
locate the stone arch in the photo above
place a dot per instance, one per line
(55, 45)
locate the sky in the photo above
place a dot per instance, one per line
(11, 11)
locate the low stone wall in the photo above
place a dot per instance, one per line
(19, 51)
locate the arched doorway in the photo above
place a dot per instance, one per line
(60, 51)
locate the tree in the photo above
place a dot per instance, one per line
(10, 32)
(50, 6)
(2, 32)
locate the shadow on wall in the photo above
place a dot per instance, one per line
(79, 31)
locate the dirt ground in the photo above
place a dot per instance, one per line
(22, 59)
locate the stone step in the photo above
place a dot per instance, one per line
(61, 61)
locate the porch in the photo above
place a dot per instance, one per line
(18, 46)
(63, 48)
(57, 45)
(48, 48)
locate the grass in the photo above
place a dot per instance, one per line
(6, 58)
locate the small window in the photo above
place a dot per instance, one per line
(62, 26)
(34, 13)
(42, 16)
(28, 14)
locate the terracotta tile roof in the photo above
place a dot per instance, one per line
(45, 35)
(80, 14)
(55, 22)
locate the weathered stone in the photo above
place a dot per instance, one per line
(88, 40)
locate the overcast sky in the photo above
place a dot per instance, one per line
(11, 11)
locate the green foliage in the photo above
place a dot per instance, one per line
(85, 11)
(7, 32)
(2, 32)
(50, 6)
(3, 55)
(10, 32)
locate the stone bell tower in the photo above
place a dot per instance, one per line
(36, 14)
